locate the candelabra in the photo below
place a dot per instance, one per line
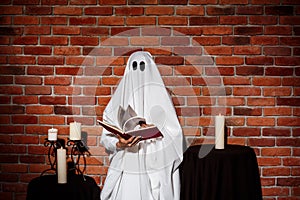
(78, 151)
(53, 145)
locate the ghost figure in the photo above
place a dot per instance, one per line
(148, 170)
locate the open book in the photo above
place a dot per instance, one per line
(130, 122)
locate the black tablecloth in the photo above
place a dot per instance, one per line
(229, 174)
(46, 188)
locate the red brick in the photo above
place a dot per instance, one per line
(262, 20)
(11, 10)
(111, 21)
(217, 71)
(54, 20)
(278, 30)
(188, 70)
(67, 50)
(275, 191)
(11, 90)
(264, 40)
(86, 81)
(277, 51)
(70, 30)
(217, 10)
(292, 161)
(279, 10)
(231, 101)
(233, 20)
(276, 152)
(12, 109)
(22, 60)
(25, 99)
(97, 91)
(261, 142)
(173, 2)
(57, 81)
(37, 50)
(285, 101)
(85, 41)
(49, 100)
(247, 111)
(207, 41)
(175, 60)
(259, 60)
(83, 2)
(51, 120)
(50, 60)
(291, 181)
(53, 40)
(94, 31)
(236, 40)
(24, 119)
(195, 21)
(63, 90)
(36, 70)
(190, 10)
(188, 50)
(35, 10)
(22, 20)
(39, 109)
(246, 132)
(74, 60)
(287, 61)
(112, 2)
(86, 100)
(98, 71)
(242, 2)
(64, 10)
(25, 40)
(246, 50)
(266, 81)
(10, 50)
(276, 132)
(174, 41)
(159, 10)
(278, 71)
(83, 21)
(34, 30)
(260, 121)
(249, 10)
(66, 110)
(144, 41)
(166, 20)
(69, 71)
(20, 139)
(28, 80)
(288, 121)
(110, 80)
(129, 11)
(277, 91)
(292, 41)
(12, 70)
(279, 111)
(278, 171)
(229, 60)
(290, 142)
(291, 81)
(249, 70)
(290, 20)
(219, 50)
(140, 20)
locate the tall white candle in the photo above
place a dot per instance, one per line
(61, 166)
(52, 134)
(219, 131)
(75, 131)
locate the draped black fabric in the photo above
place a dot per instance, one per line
(228, 174)
(46, 188)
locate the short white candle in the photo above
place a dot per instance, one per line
(52, 134)
(61, 166)
(75, 131)
(219, 131)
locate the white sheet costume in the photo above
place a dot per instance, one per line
(149, 170)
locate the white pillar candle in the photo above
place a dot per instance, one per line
(219, 131)
(52, 134)
(75, 131)
(61, 166)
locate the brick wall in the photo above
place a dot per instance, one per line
(61, 60)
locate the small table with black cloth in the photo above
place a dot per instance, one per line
(46, 188)
(223, 174)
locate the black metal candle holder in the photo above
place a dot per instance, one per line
(78, 151)
(52, 152)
